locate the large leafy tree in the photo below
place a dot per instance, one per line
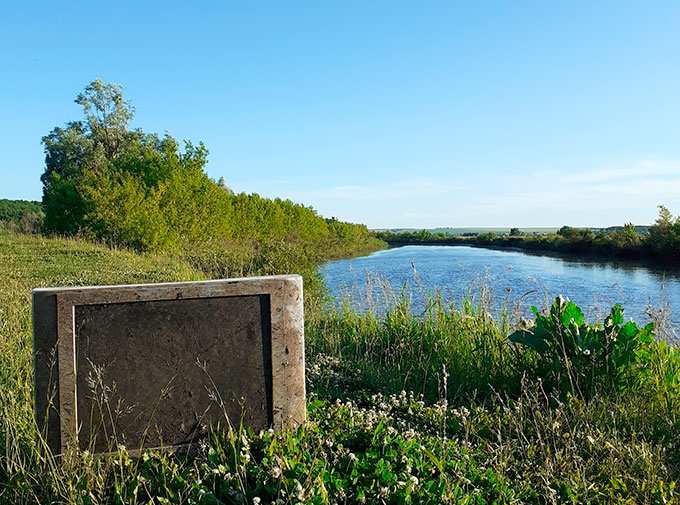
(80, 151)
(121, 185)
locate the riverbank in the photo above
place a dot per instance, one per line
(551, 246)
(509, 282)
(659, 242)
(485, 430)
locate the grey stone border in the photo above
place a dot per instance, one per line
(54, 330)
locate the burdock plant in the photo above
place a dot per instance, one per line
(579, 357)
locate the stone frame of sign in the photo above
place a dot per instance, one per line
(212, 352)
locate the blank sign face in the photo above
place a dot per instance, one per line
(153, 373)
(160, 365)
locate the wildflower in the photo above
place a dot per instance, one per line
(414, 480)
(276, 472)
(352, 456)
(256, 501)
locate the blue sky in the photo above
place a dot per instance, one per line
(393, 114)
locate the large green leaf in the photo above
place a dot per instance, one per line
(529, 339)
(572, 313)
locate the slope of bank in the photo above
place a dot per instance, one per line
(488, 430)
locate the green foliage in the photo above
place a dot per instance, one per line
(485, 431)
(664, 235)
(133, 189)
(660, 241)
(13, 210)
(581, 357)
(21, 215)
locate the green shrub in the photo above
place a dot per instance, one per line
(580, 357)
(133, 189)
(21, 215)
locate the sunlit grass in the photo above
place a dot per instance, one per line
(485, 430)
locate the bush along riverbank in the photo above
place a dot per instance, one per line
(450, 407)
(661, 241)
(107, 182)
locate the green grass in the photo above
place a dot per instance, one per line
(473, 425)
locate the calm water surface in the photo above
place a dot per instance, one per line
(514, 278)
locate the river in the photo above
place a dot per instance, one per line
(506, 278)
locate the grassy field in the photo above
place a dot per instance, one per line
(438, 409)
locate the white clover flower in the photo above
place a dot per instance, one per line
(256, 501)
(276, 472)
(414, 480)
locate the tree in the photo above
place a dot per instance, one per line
(631, 238)
(222, 184)
(516, 232)
(144, 191)
(107, 115)
(664, 234)
(665, 220)
(81, 150)
(567, 232)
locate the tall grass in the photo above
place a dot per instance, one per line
(431, 408)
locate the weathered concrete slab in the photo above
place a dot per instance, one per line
(157, 365)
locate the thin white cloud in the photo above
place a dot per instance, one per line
(643, 169)
(584, 197)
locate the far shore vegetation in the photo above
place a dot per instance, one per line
(456, 405)
(659, 241)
